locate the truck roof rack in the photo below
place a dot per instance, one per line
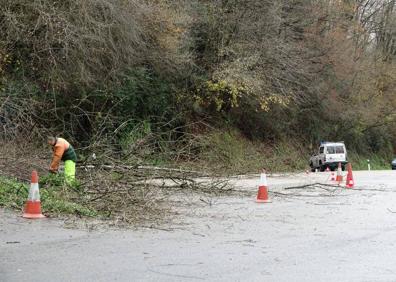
(326, 142)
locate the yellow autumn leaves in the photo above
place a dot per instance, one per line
(223, 95)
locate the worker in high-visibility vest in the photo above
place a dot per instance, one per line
(63, 151)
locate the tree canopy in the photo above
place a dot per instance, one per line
(304, 69)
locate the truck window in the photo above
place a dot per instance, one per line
(339, 150)
(330, 150)
(321, 150)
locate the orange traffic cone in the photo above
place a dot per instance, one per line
(33, 204)
(262, 195)
(339, 174)
(349, 179)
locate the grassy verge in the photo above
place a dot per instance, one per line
(377, 162)
(56, 198)
(228, 152)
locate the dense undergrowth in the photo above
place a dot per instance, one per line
(275, 71)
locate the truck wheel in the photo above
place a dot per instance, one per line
(322, 168)
(312, 168)
(343, 167)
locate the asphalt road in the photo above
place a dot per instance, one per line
(323, 234)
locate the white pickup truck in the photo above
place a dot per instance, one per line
(330, 154)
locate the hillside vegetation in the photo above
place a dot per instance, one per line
(166, 80)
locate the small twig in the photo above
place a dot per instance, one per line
(377, 190)
(329, 204)
(311, 185)
(177, 275)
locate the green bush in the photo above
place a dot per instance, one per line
(144, 95)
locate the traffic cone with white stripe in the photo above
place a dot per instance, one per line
(339, 174)
(349, 179)
(262, 195)
(33, 204)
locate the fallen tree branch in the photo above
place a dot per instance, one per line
(143, 167)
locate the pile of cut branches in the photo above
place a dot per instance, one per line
(120, 193)
(143, 193)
